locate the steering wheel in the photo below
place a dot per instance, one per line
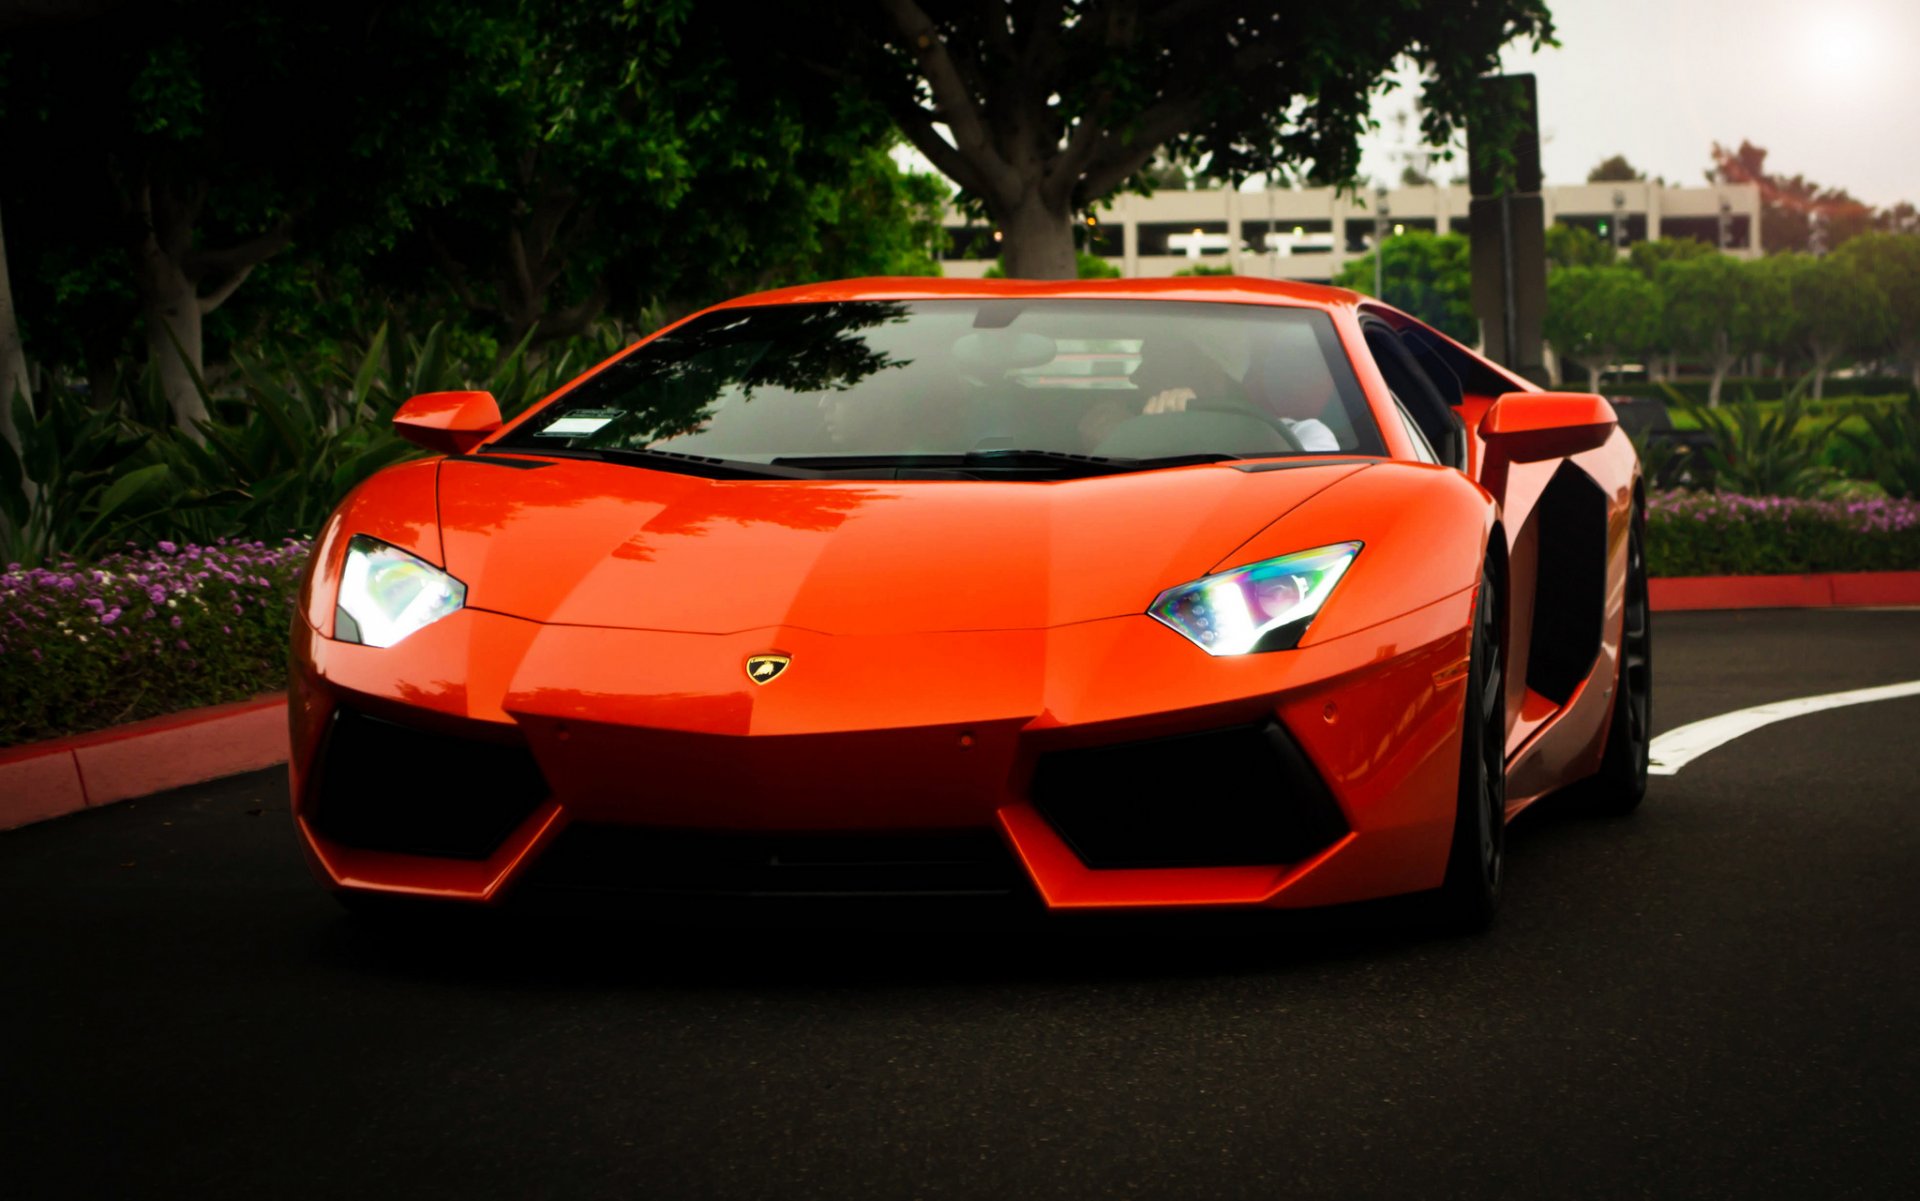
(1288, 438)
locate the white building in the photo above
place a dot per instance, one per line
(1311, 233)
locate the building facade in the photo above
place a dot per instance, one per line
(1311, 233)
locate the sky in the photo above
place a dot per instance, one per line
(1831, 89)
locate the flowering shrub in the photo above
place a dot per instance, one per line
(1720, 533)
(142, 633)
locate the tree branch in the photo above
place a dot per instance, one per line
(954, 103)
(215, 298)
(917, 124)
(1116, 160)
(239, 258)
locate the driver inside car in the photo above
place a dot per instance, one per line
(1173, 374)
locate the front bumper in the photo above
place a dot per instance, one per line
(1021, 734)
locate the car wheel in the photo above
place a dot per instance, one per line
(1621, 783)
(1477, 859)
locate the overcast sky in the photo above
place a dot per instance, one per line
(1831, 88)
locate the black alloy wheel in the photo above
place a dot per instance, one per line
(1621, 783)
(1476, 863)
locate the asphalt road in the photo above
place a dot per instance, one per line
(1716, 997)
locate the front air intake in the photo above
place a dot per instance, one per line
(1223, 798)
(389, 787)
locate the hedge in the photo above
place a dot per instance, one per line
(1718, 533)
(142, 633)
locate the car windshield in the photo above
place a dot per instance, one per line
(969, 387)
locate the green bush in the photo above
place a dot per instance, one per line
(1719, 533)
(283, 443)
(1886, 447)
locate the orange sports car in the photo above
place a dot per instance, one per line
(1095, 595)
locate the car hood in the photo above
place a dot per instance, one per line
(597, 544)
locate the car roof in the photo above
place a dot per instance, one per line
(1233, 289)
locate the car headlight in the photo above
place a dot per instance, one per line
(386, 594)
(1264, 606)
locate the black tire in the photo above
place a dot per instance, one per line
(1476, 862)
(1621, 783)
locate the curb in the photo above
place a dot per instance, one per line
(1829, 591)
(51, 779)
(65, 775)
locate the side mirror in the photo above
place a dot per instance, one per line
(1526, 427)
(449, 423)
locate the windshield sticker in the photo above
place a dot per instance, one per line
(586, 421)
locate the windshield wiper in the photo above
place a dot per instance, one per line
(705, 466)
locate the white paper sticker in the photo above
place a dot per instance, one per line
(573, 427)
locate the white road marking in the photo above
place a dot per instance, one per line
(1678, 747)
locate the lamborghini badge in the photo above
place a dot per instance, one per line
(762, 669)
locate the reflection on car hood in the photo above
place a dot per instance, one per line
(584, 543)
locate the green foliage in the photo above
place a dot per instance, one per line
(91, 484)
(1428, 275)
(277, 453)
(1086, 266)
(1053, 108)
(141, 633)
(1647, 257)
(1763, 450)
(1718, 308)
(1577, 246)
(1889, 447)
(1206, 269)
(1615, 169)
(1599, 314)
(1718, 533)
(1892, 262)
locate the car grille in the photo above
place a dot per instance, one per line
(389, 787)
(596, 858)
(1222, 798)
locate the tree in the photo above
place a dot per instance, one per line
(1646, 257)
(1837, 311)
(1892, 261)
(1428, 275)
(1717, 308)
(1041, 111)
(1597, 314)
(174, 149)
(635, 158)
(1795, 212)
(1577, 246)
(1615, 169)
(1902, 218)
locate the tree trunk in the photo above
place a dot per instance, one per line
(13, 356)
(1593, 377)
(1820, 364)
(170, 304)
(1038, 240)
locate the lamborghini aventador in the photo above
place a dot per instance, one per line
(1132, 594)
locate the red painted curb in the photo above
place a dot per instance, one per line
(1831, 590)
(65, 775)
